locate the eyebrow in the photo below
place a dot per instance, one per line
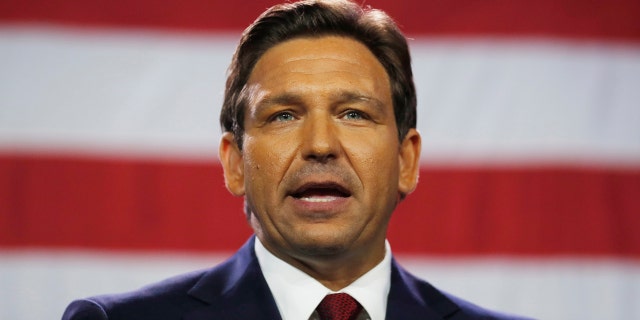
(344, 96)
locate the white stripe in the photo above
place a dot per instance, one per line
(498, 100)
(39, 284)
(138, 92)
(479, 100)
(551, 288)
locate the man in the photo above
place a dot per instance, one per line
(319, 137)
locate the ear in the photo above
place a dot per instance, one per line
(409, 158)
(232, 163)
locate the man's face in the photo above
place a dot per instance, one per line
(321, 166)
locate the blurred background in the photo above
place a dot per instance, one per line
(529, 197)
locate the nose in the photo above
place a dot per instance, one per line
(320, 142)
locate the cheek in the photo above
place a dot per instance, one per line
(376, 163)
(265, 166)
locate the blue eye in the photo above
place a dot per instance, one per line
(284, 116)
(353, 115)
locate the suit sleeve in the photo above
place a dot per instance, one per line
(84, 310)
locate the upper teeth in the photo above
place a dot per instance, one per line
(318, 199)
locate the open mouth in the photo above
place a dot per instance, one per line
(321, 192)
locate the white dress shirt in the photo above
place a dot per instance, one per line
(297, 294)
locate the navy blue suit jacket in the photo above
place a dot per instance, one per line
(236, 289)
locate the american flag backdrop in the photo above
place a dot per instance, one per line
(529, 194)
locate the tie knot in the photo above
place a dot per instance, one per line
(338, 306)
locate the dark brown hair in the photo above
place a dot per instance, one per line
(316, 18)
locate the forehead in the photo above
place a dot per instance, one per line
(322, 61)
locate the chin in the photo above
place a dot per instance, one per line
(321, 251)
(325, 245)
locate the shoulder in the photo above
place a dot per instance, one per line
(470, 310)
(428, 298)
(159, 300)
(85, 309)
(176, 296)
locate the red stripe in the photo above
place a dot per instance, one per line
(58, 201)
(605, 19)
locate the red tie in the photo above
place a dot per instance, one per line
(338, 306)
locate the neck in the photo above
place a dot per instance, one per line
(339, 270)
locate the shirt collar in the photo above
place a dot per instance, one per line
(297, 294)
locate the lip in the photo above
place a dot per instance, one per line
(320, 198)
(320, 189)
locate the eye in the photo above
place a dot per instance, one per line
(283, 116)
(354, 115)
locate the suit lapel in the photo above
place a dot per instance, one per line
(235, 290)
(412, 298)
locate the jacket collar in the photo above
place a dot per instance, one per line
(411, 297)
(236, 289)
